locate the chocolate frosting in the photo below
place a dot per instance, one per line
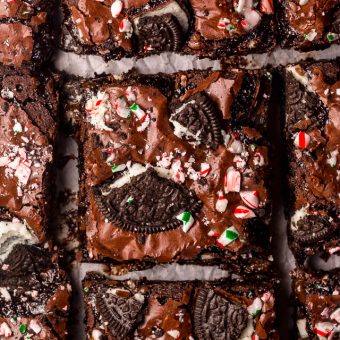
(22, 24)
(113, 140)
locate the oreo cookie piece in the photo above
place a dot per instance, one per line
(311, 229)
(159, 33)
(217, 318)
(304, 106)
(146, 204)
(197, 120)
(120, 313)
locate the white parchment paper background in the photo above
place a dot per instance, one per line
(67, 180)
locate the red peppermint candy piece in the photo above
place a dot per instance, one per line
(125, 26)
(243, 212)
(232, 180)
(250, 198)
(205, 169)
(301, 140)
(267, 6)
(116, 8)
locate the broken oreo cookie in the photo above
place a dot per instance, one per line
(159, 33)
(198, 120)
(147, 204)
(217, 318)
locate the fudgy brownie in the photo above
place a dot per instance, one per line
(230, 309)
(312, 132)
(28, 119)
(317, 302)
(116, 28)
(26, 31)
(175, 167)
(308, 24)
(34, 294)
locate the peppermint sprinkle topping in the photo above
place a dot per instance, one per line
(243, 212)
(228, 236)
(117, 168)
(5, 330)
(221, 203)
(232, 181)
(187, 220)
(117, 8)
(301, 140)
(256, 307)
(205, 169)
(250, 198)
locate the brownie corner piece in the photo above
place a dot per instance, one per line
(28, 116)
(304, 26)
(317, 304)
(179, 310)
(34, 294)
(27, 32)
(312, 141)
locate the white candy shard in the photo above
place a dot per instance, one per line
(232, 180)
(250, 198)
(34, 326)
(221, 203)
(116, 8)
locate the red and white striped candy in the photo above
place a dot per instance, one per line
(232, 180)
(178, 174)
(267, 6)
(205, 169)
(116, 8)
(5, 330)
(223, 22)
(125, 26)
(130, 94)
(243, 212)
(236, 147)
(250, 198)
(252, 18)
(212, 233)
(221, 203)
(323, 328)
(301, 140)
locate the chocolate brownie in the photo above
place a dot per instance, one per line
(34, 294)
(26, 32)
(312, 136)
(116, 28)
(229, 309)
(175, 167)
(317, 302)
(28, 118)
(308, 24)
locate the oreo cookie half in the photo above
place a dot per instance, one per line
(120, 313)
(302, 104)
(147, 204)
(197, 120)
(215, 318)
(159, 33)
(311, 228)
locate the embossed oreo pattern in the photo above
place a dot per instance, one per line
(200, 116)
(159, 33)
(215, 318)
(148, 204)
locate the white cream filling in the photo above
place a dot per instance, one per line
(171, 8)
(298, 215)
(11, 234)
(301, 78)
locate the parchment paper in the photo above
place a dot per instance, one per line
(67, 179)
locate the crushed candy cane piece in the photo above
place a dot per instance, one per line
(223, 22)
(125, 26)
(187, 219)
(212, 233)
(236, 147)
(205, 169)
(116, 8)
(250, 198)
(258, 159)
(96, 334)
(178, 174)
(130, 94)
(232, 180)
(17, 127)
(121, 107)
(117, 168)
(142, 116)
(221, 203)
(256, 307)
(35, 327)
(174, 333)
(336, 315)
(5, 330)
(267, 6)
(323, 328)
(243, 212)
(332, 159)
(301, 140)
(228, 236)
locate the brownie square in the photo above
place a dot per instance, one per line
(307, 24)
(175, 168)
(28, 118)
(317, 302)
(230, 309)
(114, 29)
(312, 140)
(26, 32)
(34, 294)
